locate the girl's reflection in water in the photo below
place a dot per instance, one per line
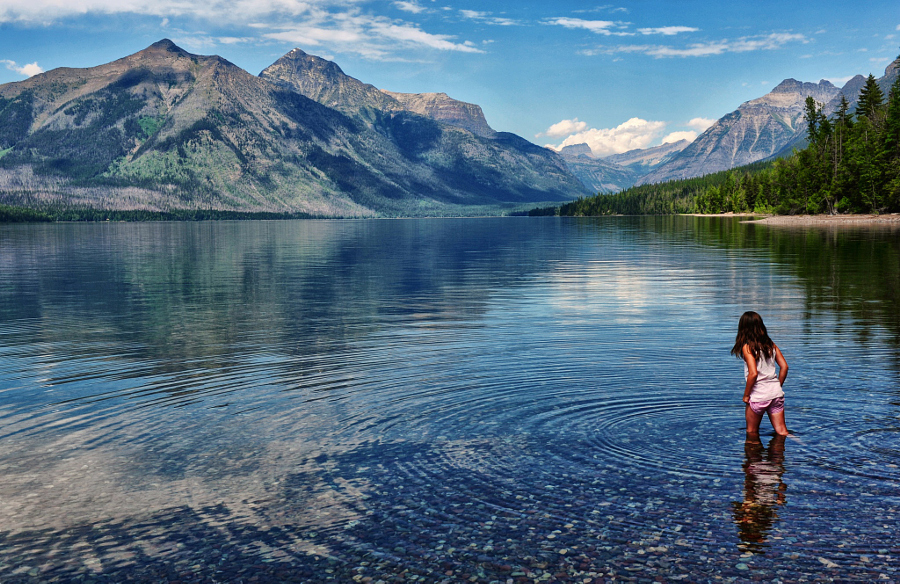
(763, 491)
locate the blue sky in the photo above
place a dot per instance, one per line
(622, 75)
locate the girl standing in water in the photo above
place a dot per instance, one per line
(762, 392)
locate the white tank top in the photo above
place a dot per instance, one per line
(767, 386)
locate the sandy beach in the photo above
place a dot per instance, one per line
(892, 220)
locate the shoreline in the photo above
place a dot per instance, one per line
(863, 220)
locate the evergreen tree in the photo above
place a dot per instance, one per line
(870, 99)
(842, 114)
(849, 166)
(891, 140)
(811, 111)
(891, 147)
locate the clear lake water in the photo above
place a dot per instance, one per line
(444, 400)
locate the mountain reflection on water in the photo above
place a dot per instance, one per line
(540, 399)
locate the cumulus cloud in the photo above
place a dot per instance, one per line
(632, 134)
(668, 30)
(410, 7)
(563, 128)
(700, 124)
(742, 45)
(688, 135)
(29, 70)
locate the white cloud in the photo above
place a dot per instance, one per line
(700, 124)
(563, 128)
(46, 11)
(233, 40)
(410, 7)
(413, 35)
(688, 135)
(340, 24)
(596, 26)
(315, 36)
(375, 37)
(840, 81)
(29, 70)
(668, 30)
(634, 133)
(487, 17)
(741, 45)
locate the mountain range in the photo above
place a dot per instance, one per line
(768, 127)
(619, 171)
(164, 129)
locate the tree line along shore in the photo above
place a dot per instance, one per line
(850, 165)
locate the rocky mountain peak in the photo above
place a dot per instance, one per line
(167, 46)
(443, 108)
(792, 94)
(175, 130)
(575, 150)
(297, 62)
(793, 86)
(758, 129)
(325, 82)
(854, 84)
(893, 69)
(648, 158)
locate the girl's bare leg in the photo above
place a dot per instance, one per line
(753, 420)
(778, 423)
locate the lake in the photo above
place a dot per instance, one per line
(485, 400)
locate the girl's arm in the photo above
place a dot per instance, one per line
(782, 365)
(751, 372)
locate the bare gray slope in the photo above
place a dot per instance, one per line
(645, 160)
(598, 175)
(323, 81)
(758, 129)
(443, 108)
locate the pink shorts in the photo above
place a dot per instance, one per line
(773, 406)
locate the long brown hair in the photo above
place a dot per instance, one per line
(752, 332)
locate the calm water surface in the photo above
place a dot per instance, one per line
(484, 400)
